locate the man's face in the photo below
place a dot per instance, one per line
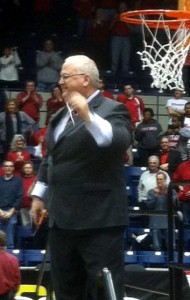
(128, 90)
(165, 144)
(147, 116)
(176, 123)
(30, 86)
(8, 168)
(160, 180)
(178, 94)
(48, 46)
(71, 80)
(153, 164)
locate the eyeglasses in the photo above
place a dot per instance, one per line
(66, 76)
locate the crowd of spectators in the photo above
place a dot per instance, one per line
(35, 43)
(40, 34)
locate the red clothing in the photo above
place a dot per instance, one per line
(31, 106)
(9, 273)
(183, 173)
(135, 106)
(84, 8)
(121, 28)
(98, 32)
(43, 5)
(52, 106)
(163, 157)
(107, 4)
(39, 137)
(28, 183)
(108, 95)
(18, 158)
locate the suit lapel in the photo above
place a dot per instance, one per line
(93, 104)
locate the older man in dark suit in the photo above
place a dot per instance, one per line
(83, 176)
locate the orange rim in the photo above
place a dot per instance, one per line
(178, 16)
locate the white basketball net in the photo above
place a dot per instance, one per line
(165, 61)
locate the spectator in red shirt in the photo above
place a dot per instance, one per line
(38, 139)
(30, 101)
(105, 93)
(55, 102)
(9, 271)
(28, 178)
(18, 153)
(134, 104)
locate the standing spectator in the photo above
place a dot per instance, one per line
(13, 122)
(30, 102)
(9, 63)
(105, 93)
(183, 173)
(43, 12)
(157, 200)
(9, 271)
(55, 102)
(173, 133)
(18, 153)
(38, 139)
(148, 130)
(28, 178)
(11, 195)
(97, 39)
(134, 104)
(48, 63)
(175, 106)
(169, 158)
(120, 43)
(86, 196)
(84, 10)
(109, 8)
(147, 180)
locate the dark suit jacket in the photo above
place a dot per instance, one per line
(86, 182)
(174, 160)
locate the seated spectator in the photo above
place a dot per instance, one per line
(146, 134)
(30, 102)
(11, 195)
(181, 173)
(28, 178)
(169, 158)
(48, 63)
(18, 153)
(9, 271)
(55, 102)
(13, 122)
(105, 93)
(37, 139)
(147, 180)
(9, 63)
(157, 201)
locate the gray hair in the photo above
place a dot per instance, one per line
(14, 141)
(85, 65)
(154, 157)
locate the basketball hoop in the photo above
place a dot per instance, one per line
(164, 60)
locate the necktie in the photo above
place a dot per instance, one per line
(71, 120)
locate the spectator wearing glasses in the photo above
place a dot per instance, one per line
(11, 196)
